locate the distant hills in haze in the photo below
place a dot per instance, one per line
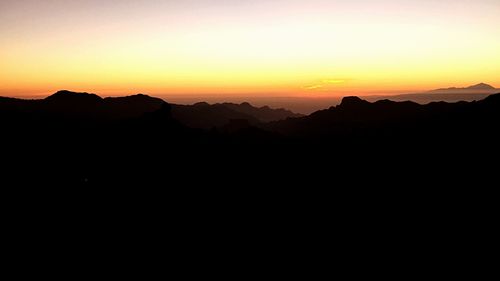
(220, 114)
(308, 105)
(452, 94)
(481, 87)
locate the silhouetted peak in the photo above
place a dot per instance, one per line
(201, 104)
(481, 86)
(139, 98)
(350, 102)
(246, 104)
(65, 96)
(144, 97)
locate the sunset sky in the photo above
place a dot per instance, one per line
(253, 47)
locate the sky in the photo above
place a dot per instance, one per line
(253, 47)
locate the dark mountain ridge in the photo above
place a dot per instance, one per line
(264, 113)
(200, 115)
(84, 105)
(206, 116)
(352, 113)
(355, 116)
(143, 138)
(220, 114)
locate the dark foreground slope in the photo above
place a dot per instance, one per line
(354, 178)
(82, 138)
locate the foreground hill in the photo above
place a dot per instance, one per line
(67, 104)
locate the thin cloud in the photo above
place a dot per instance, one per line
(325, 83)
(313, 87)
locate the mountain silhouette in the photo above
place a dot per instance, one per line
(481, 86)
(131, 155)
(361, 162)
(264, 113)
(73, 98)
(206, 116)
(81, 137)
(478, 88)
(387, 120)
(67, 104)
(352, 115)
(452, 94)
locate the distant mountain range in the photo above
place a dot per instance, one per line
(474, 89)
(220, 114)
(307, 105)
(453, 94)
